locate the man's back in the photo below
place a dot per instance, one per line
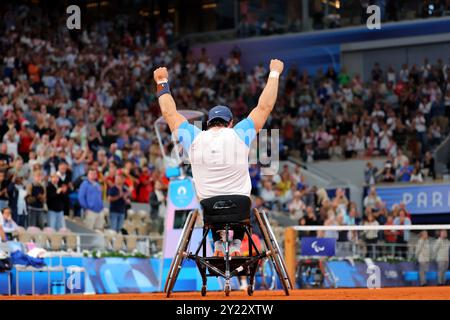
(219, 159)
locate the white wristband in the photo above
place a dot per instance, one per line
(163, 81)
(274, 74)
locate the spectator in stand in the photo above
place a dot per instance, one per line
(56, 197)
(255, 177)
(296, 207)
(3, 190)
(417, 176)
(90, 199)
(371, 236)
(2, 232)
(441, 253)
(331, 220)
(388, 173)
(268, 194)
(36, 198)
(381, 214)
(402, 235)
(390, 237)
(157, 202)
(372, 200)
(17, 194)
(423, 253)
(404, 172)
(9, 225)
(400, 159)
(370, 174)
(428, 166)
(340, 202)
(65, 182)
(119, 199)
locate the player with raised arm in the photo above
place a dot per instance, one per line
(219, 155)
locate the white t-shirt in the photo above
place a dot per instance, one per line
(219, 158)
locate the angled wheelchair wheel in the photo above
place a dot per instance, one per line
(180, 254)
(277, 247)
(275, 254)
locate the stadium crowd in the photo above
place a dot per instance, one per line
(77, 113)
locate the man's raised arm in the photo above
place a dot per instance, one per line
(165, 99)
(268, 97)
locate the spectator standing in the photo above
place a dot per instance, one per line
(371, 236)
(3, 190)
(372, 200)
(17, 193)
(90, 199)
(36, 199)
(370, 174)
(402, 235)
(310, 220)
(56, 197)
(65, 181)
(390, 236)
(423, 253)
(119, 198)
(441, 253)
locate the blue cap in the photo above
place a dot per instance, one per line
(220, 112)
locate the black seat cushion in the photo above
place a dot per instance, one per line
(226, 209)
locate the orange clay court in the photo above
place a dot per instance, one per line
(400, 293)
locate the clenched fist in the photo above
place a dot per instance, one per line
(276, 65)
(161, 75)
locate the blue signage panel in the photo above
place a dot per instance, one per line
(312, 246)
(181, 192)
(419, 199)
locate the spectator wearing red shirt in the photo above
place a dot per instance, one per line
(26, 136)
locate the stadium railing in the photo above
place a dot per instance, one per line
(368, 244)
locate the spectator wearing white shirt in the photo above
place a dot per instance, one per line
(359, 146)
(297, 207)
(441, 253)
(423, 254)
(268, 194)
(417, 175)
(384, 137)
(425, 106)
(372, 200)
(419, 124)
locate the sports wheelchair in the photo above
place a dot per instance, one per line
(226, 213)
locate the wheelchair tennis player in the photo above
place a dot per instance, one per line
(219, 155)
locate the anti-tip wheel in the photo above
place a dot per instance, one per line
(203, 291)
(227, 290)
(250, 290)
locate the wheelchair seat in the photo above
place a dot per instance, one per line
(226, 209)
